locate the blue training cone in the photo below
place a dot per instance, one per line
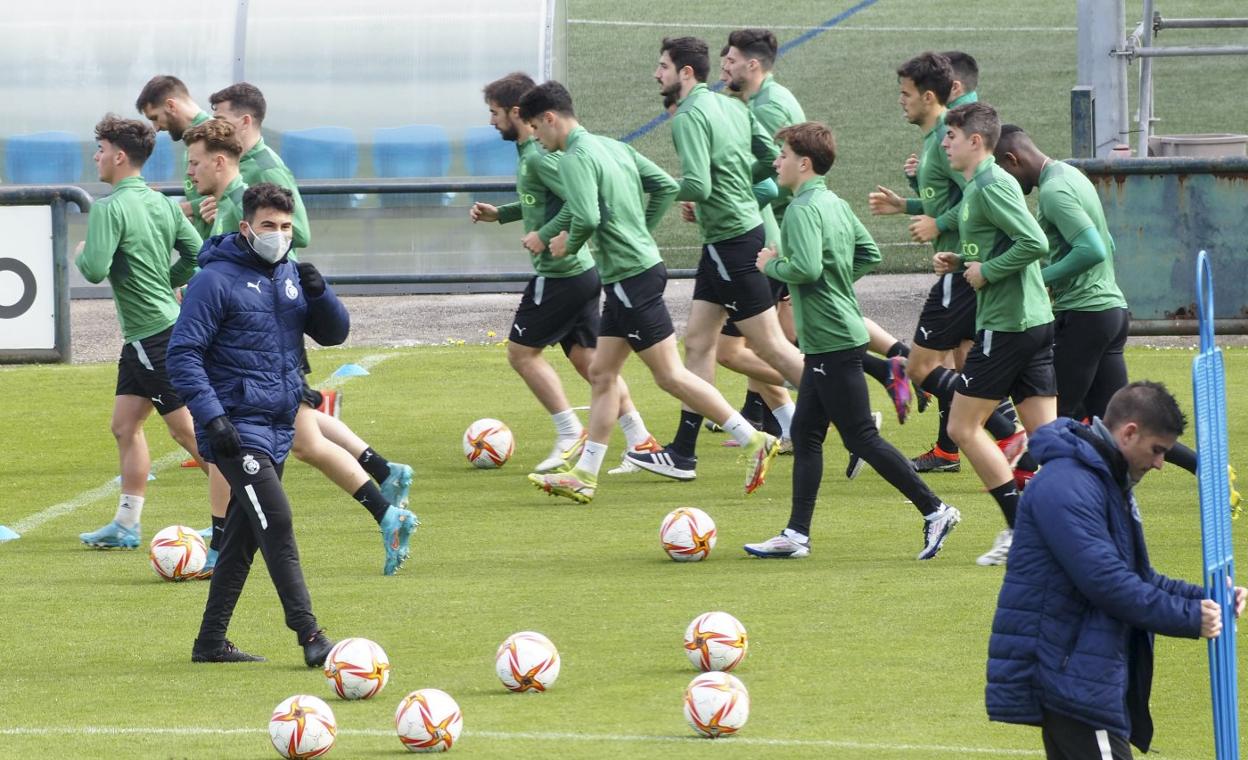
(7, 534)
(350, 370)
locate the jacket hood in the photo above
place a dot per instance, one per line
(231, 247)
(1068, 438)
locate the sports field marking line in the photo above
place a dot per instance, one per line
(537, 736)
(773, 27)
(86, 498)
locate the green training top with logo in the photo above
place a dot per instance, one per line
(193, 196)
(939, 188)
(1068, 206)
(603, 183)
(718, 140)
(826, 248)
(998, 231)
(229, 208)
(775, 108)
(262, 164)
(130, 234)
(541, 208)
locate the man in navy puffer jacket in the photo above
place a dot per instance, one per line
(234, 356)
(1072, 641)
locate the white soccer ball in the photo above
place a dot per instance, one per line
(488, 443)
(303, 727)
(177, 553)
(687, 534)
(357, 669)
(716, 704)
(428, 720)
(716, 641)
(527, 661)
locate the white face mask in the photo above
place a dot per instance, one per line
(270, 246)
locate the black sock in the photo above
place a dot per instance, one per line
(771, 425)
(1006, 495)
(218, 532)
(686, 441)
(1027, 463)
(375, 465)
(876, 368)
(999, 426)
(754, 409)
(940, 382)
(943, 440)
(370, 497)
(898, 349)
(1182, 456)
(1006, 409)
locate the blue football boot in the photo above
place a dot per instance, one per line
(397, 484)
(397, 527)
(113, 536)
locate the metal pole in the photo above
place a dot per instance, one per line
(1124, 104)
(1146, 85)
(1160, 23)
(1099, 33)
(60, 280)
(240, 42)
(1175, 52)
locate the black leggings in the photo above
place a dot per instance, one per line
(834, 390)
(259, 517)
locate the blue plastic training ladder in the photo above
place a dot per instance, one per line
(1209, 389)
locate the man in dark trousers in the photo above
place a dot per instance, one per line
(235, 356)
(1072, 640)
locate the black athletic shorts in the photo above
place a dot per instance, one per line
(141, 372)
(1016, 365)
(311, 396)
(728, 275)
(634, 309)
(948, 315)
(561, 310)
(779, 292)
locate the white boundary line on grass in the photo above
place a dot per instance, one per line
(837, 28)
(537, 736)
(86, 498)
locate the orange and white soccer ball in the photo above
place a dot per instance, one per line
(357, 669)
(716, 641)
(177, 553)
(687, 534)
(428, 720)
(716, 704)
(527, 661)
(488, 443)
(303, 727)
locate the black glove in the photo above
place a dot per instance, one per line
(312, 281)
(224, 438)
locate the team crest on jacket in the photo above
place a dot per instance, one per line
(291, 292)
(250, 465)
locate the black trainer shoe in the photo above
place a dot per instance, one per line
(665, 462)
(316, 649)
(221, 651)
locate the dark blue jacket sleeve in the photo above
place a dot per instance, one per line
(1176, 586)
(328, 322)
(203, 307)
(1075, 528)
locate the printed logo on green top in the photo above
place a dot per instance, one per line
(928, 193)
(528, 199)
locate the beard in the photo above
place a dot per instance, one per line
(508, 133)
(736, 85)
(671, 90)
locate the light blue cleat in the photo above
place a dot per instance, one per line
(206, 534)
(113, 536)
(396, 532)
(397, 484)
(210, 564)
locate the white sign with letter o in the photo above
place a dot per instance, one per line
(27, 300)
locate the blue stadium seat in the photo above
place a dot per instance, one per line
(43, 158)
(321, 153)
(487, 154)
(160, 165)
(416, 150)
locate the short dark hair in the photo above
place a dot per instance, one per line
(1148, 405)
(135, 138)
(976, 119)
(547, 96)
(688, 51)
(217, 135)
(930, 72)
(755, 43)
(965, 69)
(244, 97)
(267, 195)
(812, 140)
(506, 92)
(159, 89)
(1012, 136)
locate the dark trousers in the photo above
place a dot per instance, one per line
(259, 517)
(1068, 739)
(1087, 359)
(834, 390)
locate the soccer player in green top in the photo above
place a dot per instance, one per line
(1091, 320)
(212, 155)
(1000, 249)
(965, 78)
(166, 102)
(561, 303)
(130, 234)
(825, 249)
(604, 182)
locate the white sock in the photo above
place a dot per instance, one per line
(801, 538)
(784, 415)
(739, 428)
(567, 424)
(129, 510)
(591, 457)
(634, 428)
